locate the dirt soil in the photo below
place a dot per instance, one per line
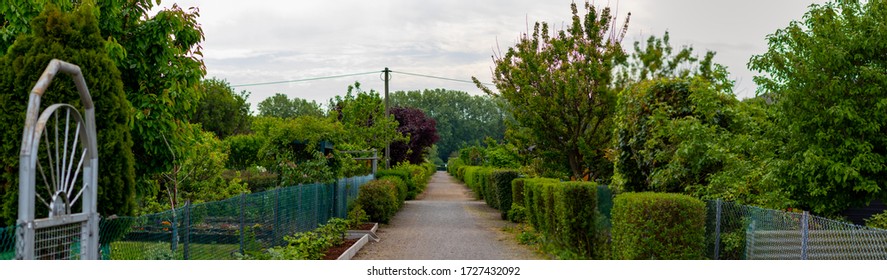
(445, 223)
(334, 252)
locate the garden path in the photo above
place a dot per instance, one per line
(445, 223)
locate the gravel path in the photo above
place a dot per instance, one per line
(445, 223)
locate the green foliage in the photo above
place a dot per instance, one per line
(656, 61)
(517, 213)
(244, 150)
(477, 178)
(73, 37)
(257, 179)
(462, 119)
(221, 110)
(404, 175)
(517, 191)
(356, 215)
(531, 191)
(379, 199)
(453, 165)
(362, 115)
(877, 221)
(567, 215)
(401, 186)
(825, 75)
(658, 226)
(311, 245)
(559, 89)
(499, 194)
(280, 106)
(292, 145)
(686, 136)
(160, 62)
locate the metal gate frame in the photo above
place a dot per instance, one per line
(60, 209)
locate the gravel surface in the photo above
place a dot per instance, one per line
(445, 223)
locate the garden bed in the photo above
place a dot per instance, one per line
(347, 250)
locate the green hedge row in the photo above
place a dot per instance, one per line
(579, 219)
(662, 226)
(566, 214)
(381, 198)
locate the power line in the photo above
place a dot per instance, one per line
(306, 79)
(358, 74)
(440, 78)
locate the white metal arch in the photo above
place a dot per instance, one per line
(59, 146)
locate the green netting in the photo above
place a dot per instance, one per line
(219, 230)
(7, 243)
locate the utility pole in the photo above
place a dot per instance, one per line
(387, 113)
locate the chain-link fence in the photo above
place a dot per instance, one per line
(219, 230)
(746, 232)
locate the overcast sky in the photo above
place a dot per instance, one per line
(266, 41)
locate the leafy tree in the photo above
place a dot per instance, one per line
(826, 75)
(222, 111)
(559, 87)
(657, 60)
(421, 132)
(291, 149)
(282, 107)
(160, 62)
(363, 116)
(73, 37)
(462, 119)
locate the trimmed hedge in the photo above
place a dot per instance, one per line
(499, 192)
(379, 199)
(566, 214)
(660, 226)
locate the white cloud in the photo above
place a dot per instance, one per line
(263, 41)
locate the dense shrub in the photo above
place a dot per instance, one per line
(244, 150)
(379, 199)
(453, 165)
(658, 226)
(499, 193)
(575, 209)
(532, 189)
(460, 172)
(399, 173)
(73, 37)
(401, 187)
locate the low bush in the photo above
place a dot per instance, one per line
(311, 245)
(404, 175)
(379, 199)
(401, 187)
(660, 226)
(517, 213)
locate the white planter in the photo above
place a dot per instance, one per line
(348, 254)
(352, 234)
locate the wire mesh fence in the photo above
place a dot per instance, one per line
(746, 232)
(219, 230)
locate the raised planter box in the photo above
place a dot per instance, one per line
(353, 234)
(348, 254)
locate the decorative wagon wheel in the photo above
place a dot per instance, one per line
(58, 166)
